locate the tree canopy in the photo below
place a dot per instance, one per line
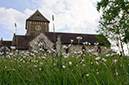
(114, 22)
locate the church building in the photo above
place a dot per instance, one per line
(37, 32)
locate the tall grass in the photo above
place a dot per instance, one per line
(76, 69)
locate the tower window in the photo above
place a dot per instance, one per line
(38, 16)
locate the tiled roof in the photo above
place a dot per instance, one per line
(6, 43)
(37, 16)
(66, 37)
(22, 41)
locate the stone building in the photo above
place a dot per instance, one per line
(37, 32)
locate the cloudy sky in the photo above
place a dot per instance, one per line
(74, 16)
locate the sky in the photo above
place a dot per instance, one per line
(73, 16)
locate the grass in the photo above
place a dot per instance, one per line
(60, 70)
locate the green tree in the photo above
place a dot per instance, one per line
(114, 22)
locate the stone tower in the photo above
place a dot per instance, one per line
(36, 24)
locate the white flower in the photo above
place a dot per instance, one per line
(97, 63)
(78, 38)
(72, 41)
(13, 47)
(107, 55)
(63, 66)
(35, 60)
(70, 63)
(64, 47)
(23, 61)
(48, 51)
(35, 65)
(54, 64)
(97, 58)
(41, 63)
(97, 72)
(1, 53)
(86, 43)
(43, 57)
(69, 45)
(91, 62)
(40, 69)
(10, 54)
(5, 67)
(115, 61)
(87, 75)
(24, 56)
(103, 59)
(116, 73)
(83, 64)
(89, 43)
(66, 56)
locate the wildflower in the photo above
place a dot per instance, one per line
(54, 64)
(35, 60)
(69, 45)
(97, 72)
(35, 65)
(64, 47)
(86, 43)
(63, 66)
(107, 55)
(49, 51)
(104, 60)
(87, 75)
(24, 56)
(1, 53)
(43, 57)
(23, 61)
(10, 54)
(13, 47)
(115, 61)
(70, 63)
(97, 63)
(91, 62)
(40, 69)
(89, 43)
(77, 65)
(20, 59)
(116, 73)
(83, 64)
(72, 41)
(41, 63)
(5, 67)
(78, 38)
(97, 58)
(66, 56)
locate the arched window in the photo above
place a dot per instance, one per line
(42, 44)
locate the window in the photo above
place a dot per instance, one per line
(42, 45)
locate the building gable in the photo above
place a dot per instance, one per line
(41, 37)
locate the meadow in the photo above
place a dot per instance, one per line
(45, 68)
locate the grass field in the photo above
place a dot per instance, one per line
(77, 69)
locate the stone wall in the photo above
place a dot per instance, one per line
(35, 42)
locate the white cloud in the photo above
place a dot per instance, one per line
(70, 15)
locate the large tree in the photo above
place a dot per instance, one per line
(114, 22)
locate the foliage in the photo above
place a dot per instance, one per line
(103, 39)
(114, 20)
